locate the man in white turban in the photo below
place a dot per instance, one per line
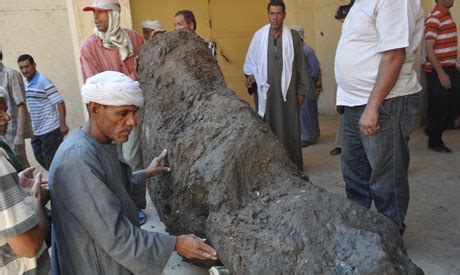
(95, 224)
(150, 28)
(113, 48)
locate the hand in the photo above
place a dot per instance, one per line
(19, 145)
(27, 182)
(300, 100)
(368, 121)
(250, 80)
(192, 247)
(36, 192)
(154, 168)
(335, 110)
(64, 129)
(445, 80)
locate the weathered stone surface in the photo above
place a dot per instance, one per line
(233, 184)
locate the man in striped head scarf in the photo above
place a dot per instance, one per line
(112, 48)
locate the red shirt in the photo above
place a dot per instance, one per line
(94, 58)
(440, 26)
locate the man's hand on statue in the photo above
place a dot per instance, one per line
(368, 121)
(155, 166)
(445, 80)
(192, 247)
(300, 100)
(250, 80)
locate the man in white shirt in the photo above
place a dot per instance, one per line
(378, 87)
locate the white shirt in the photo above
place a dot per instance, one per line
(371, 28)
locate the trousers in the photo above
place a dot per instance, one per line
(375, 168)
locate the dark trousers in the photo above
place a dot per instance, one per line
(45, 146)
(443, 105)
(375, 167)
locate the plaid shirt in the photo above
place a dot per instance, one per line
(17, 217)
(12, 81)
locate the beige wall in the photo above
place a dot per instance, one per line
(215, 22)
(52, 30)
(322, 32)
(41, 29)
(81, 25)
(164, 11)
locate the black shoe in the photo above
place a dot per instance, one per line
(336, 151)
(440, 149)
(306, 143)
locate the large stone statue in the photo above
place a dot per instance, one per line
(234, 184)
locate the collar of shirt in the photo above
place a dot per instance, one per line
(34, 80)
(441, 10)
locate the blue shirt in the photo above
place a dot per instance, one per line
(42, 98)
(95, 200)
(312, 61)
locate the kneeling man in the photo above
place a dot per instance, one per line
(94, 194)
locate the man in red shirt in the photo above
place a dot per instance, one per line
(441, 73)
(112, 48)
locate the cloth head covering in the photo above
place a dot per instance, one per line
(4, 94)
(112, 89)
(115, 36)
(299, 29)
(151, 24)
(104, 5)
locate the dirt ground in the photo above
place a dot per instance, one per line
(432, 237)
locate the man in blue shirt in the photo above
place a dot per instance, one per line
(96, 195)
(48, 124)
(309, 122)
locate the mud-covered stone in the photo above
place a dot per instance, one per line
(233, 183)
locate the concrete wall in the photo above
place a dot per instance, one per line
(81, 25)
(229, 24)
(41, 29)
(52, 30)
(322, 32)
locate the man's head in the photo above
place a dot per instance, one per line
(300, 30)
(27, 66)
(4, 117)
(447, 4)
(276, 13)
(185, 19)
(101, 12)
(149, 28)
(112, 100)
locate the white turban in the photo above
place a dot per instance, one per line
(151, 24)
(298, 29)
(112, 89)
